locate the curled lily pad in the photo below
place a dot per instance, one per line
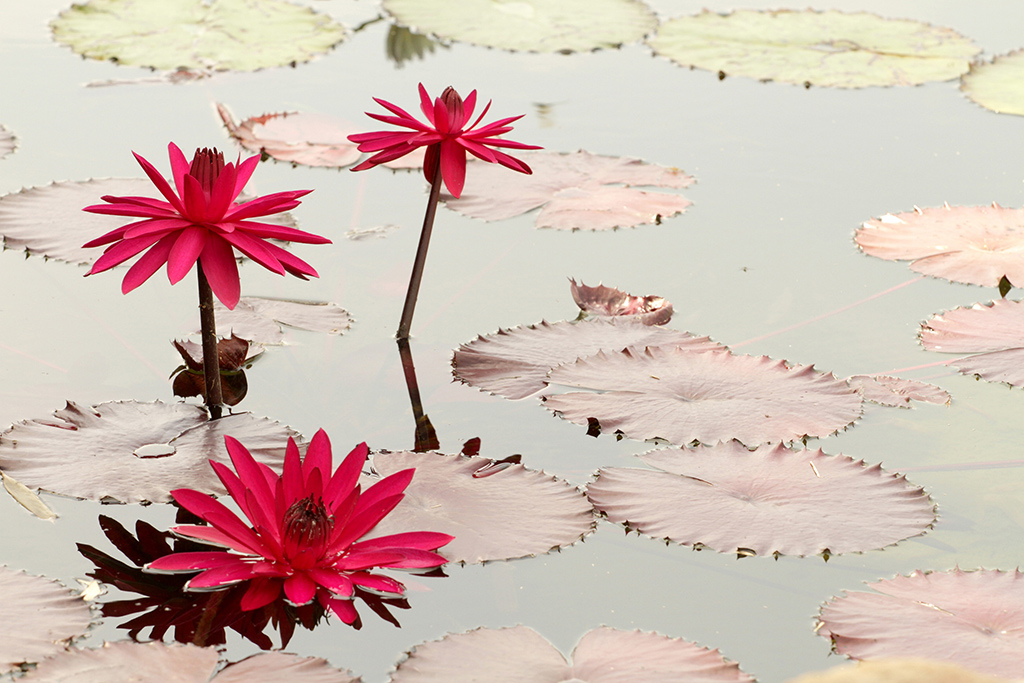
(494, 513)
(681, 395)
(811, 47)
(131, 452)
(528, 25)
(259, 320)
(38, 618)
(608, 302)
(575, 191)
(307, 139)
(772, 500)
(895, 391)
(996, 85)
(219, 35)
(603, 655)
(514, 363)
(976, 245)
(972, 618)
(7, 141)
(993, 332)
(234, 355)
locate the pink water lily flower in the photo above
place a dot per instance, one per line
(306, 526)
(445, 135)
(200, 221)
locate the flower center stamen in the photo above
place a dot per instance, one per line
(206, 167)
(307, 526)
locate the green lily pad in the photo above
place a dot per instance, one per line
(996, 85)
(528, 25)
(808, 47)
(218, 35)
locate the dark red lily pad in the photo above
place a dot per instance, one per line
(153, 663)
(772, 500)
(682, 396)
(603, 655)
(608, 302)
(494, 513)
(994, 332)
(38, 618)
(294, 137)
(575, 191)
(973, 618)
(896, 391)
(977, 245)
(132, 452)
(48, 221)
(514, 363)
(260, 320)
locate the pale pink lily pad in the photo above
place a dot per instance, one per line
(608, 302)
(896, 391)
(156, 662)
(604, 655)
(973, 618)
(578, 191)
(132, 452)
(48, 221)
(7, 141)
(514, 363)
(259, 320)
(38, 618)
(993, 331)
(977, 245)
(494, 514)
(310, 139)
(681, 396)
(772, 500)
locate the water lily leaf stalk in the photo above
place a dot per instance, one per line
(211, 364)
(421, 257)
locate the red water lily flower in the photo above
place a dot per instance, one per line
(306, 526)
(200, 222)
(445, 136)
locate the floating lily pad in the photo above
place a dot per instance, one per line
(975, 619)
(897, 670)
(220, 35)
(514, 363)
(7, 141)
(528, 25)
(994, 332)
(604, 655)
(48, 221)
(896, 391)
(977, 245)
(38, 618)
(681, 395)
(153, 663)
(608, 302)
(259, 320)
(307, 139)
(131, 452)
(575, 191)
(494, 513)
(996, 85)
(769, 500)
(810, 47)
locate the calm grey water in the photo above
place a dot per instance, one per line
(784, 177)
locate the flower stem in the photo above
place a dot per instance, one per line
(211, 360)
(421, 257)
(425, 436)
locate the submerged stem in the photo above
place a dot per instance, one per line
(211, 359)
(421, 257)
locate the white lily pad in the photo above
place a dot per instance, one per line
(603, 655)
(38, 618)
(295, 137)
(996, 85)
(609, 302)
(259, 320)
(219, 35)
(896, 391)
(681, 395)
(772, 500)
(992, 332)
(528, 25)
(494, 514)
(811, 47)
(131, 452)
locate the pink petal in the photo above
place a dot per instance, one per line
(281, 232)
(221, 271)
(120, 252)
(442, 123)
(255, 249)
(179, 167)
(219, 516)
(161, 184)
(344, 609)
(223, 194)
(266, 205)
(292, 263)
(339, 584)
(292, 476)
(468, 105)
(261, 592)
(207, 534)
(299, 588)
(250, 473)
(195, 200)
(192, 561)
(244, 173)
(112, 236)
(126, 209)
(421, 540)
(220, 576)
(154, 226)
(362, 522)
(185, 252)
(391, 485)
(511, 162)
(345, 477)
(150, 262)
(376, 582)
(426, 105)
(453, 166)
(374, 558)
(318, 457)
